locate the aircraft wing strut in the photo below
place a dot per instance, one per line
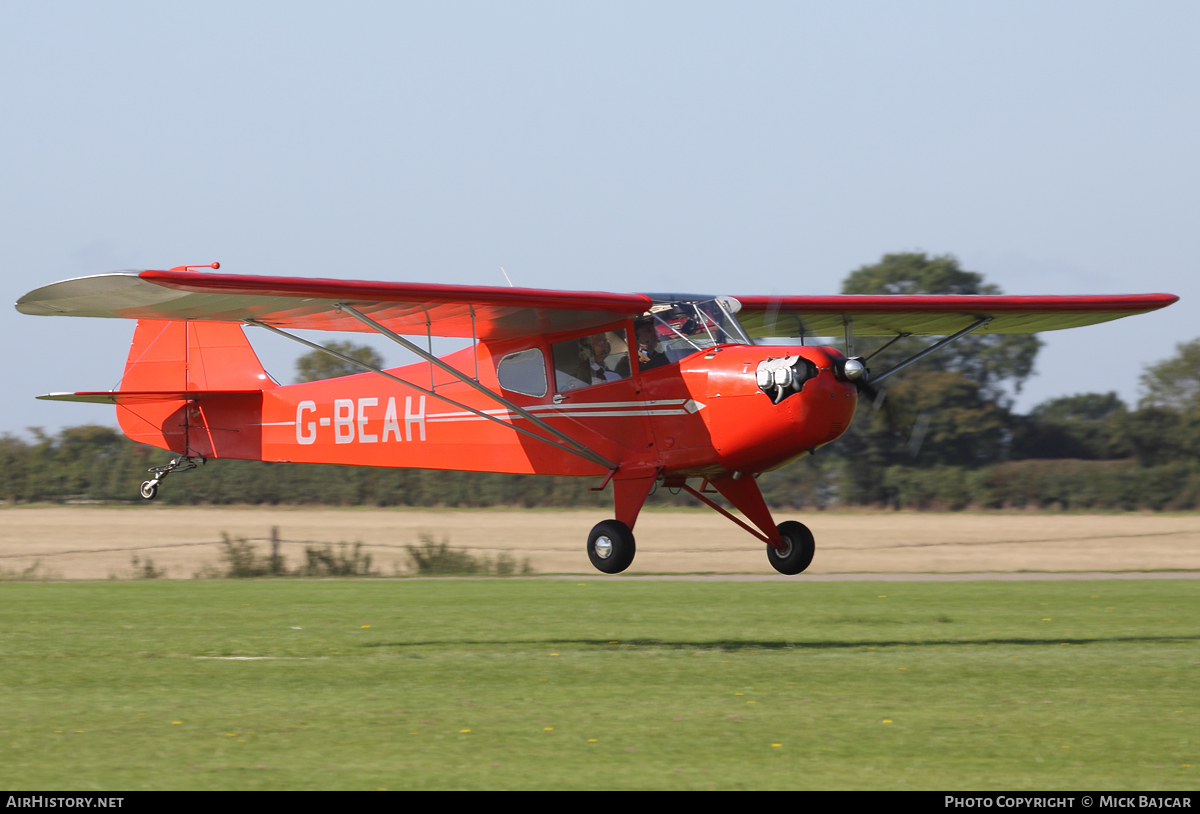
(575, 448)
(487, 391)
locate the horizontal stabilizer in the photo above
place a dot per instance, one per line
(145, 396)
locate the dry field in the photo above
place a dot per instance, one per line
(98, 542)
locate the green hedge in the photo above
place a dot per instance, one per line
(1052, 484)
(100, 464)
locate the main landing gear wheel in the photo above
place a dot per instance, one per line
(798, 548)
(149, 489)
(610, 546)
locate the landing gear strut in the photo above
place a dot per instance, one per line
(789, 550)
(182, 463)
(610, 547)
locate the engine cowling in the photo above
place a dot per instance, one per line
(763, 406)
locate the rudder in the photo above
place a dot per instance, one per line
(195, 357)
(192, 356)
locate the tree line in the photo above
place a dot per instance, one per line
(945, 437)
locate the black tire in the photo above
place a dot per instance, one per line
(800, 548)
(610, 547)
(149, 490)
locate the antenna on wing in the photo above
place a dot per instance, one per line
(505, 273)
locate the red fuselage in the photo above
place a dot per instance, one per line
(704, 416)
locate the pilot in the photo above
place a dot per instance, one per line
(649, 356)
(600, 348)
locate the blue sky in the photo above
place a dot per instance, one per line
(730, 148)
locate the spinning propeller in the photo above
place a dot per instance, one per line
(855, 371)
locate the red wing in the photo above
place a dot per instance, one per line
(303, 303)
(935, 315)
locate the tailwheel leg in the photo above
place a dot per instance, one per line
(182, 463)
(611, 546)
(797, 551)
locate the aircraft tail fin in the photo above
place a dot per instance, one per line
(192, 356)
(208, 382)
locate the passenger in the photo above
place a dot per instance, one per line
(649, 355)
(600, 371)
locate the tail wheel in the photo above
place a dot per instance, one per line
(149, 489)
(610, 546)
(798, 548)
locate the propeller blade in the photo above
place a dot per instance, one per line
(877, 395)
(918, 433)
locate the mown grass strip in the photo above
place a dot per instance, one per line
(599, 683)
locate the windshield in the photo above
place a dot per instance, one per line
(675, 330)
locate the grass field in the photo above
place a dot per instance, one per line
(595, 683)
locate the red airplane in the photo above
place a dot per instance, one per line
(633, 389)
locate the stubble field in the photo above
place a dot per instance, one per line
(85, 542)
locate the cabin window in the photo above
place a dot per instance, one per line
(523, 372)
(588, 360)
(678, 329)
